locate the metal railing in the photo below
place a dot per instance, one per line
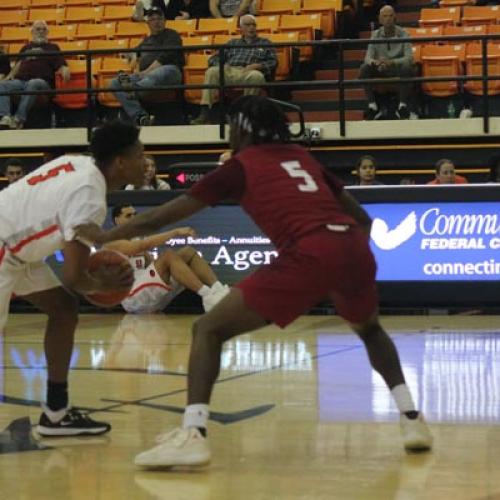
(341, 84)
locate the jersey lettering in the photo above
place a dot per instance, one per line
(294, 169)
(53, 172)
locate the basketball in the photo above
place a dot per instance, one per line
(107, 258)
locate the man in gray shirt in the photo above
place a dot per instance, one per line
(391, 59)
(155, 68)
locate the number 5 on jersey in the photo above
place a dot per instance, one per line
(294, 169)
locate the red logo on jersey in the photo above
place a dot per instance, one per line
(53, 172)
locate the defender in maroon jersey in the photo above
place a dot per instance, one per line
(322, 235)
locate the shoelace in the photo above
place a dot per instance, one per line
(77, 415)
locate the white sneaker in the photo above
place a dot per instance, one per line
(415, 433)
(465, 113)
(214, 297)
(5, 122)
(178, 447)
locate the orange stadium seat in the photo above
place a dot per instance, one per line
(327, 9)
(269, 7)
(77, 3)
(109, 44)
(74, 45)
(194, 74)
(472, 15)
(185, 27)
(15, 4)
(442, 60)
(117, 13)
(35, 4)
(13, 17)
(305, 25)
(464, 30)
(11, 34)
(83, 14)
(189, 41)
(223, 39)
(433, 17)
(87, 31)
(78, 80)
(50, 16)
(453, 3)
(284, 54)
(128, 29)
(114, 2)
(416, 50)
(223, 25)
(15, 48)
(474, 67)
(62, 32)
(267, 24)
(425, 32)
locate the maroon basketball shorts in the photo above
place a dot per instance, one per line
(323, 264)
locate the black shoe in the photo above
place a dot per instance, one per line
(372, 114)
(403, 113)
(73, 423)
(144, 120)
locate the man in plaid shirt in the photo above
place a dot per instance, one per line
(242, 65)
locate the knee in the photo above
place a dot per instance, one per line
(212, 73)
(115, 84)
(256, 76)
(187, 253)
(36, 84)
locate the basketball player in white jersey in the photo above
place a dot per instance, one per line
(38, 215)
(158, 281)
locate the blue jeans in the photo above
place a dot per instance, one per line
(26, 102)
(164, 75)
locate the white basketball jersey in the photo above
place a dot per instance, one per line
(39, 212)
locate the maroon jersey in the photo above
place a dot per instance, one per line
(282, 188)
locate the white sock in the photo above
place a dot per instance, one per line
(195, 416)
(217, 286)
(373, 105)
(204, 291)
(402, 105)
(402, 398)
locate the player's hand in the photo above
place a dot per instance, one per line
(114, 277)
(185, 232)
(91, 233)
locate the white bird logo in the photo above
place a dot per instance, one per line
(387, 239)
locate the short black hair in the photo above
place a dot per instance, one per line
(13, 162)
(117, 211)
(112, 139)
(264, 120)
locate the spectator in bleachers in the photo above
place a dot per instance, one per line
(14, 170)
(151, 181)
(391, 59)
(162, 66)
(4, 63)
(173, 9)
(31, 73)
(231, 8)
(252, 66)
(445, 174)
(366, 172)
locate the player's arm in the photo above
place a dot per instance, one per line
(134, 247)
(77, 278)
(352, 207)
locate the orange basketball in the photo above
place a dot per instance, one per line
(107, 258)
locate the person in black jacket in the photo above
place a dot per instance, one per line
(173, 9)
(153, 68)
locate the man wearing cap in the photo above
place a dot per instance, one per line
(162, 66)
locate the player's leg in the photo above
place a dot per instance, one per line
(188, 446)
(198, 265)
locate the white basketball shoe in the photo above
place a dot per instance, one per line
(178, 447)
(415, 433)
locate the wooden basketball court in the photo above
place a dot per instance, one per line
(297, 414)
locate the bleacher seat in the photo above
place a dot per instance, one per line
(62, 32)
(189, 41)
(13, 17)
(306, 26)
(435, 17)
(89, 31)
(226, 25)
(284, 54)
(9, 34)
(424, 32)
(474, 67)
(473, 15)
(50, 16)
(267, 24)
(328, 10)
(185, 27)
(108, 69)
(194, 74)
(78, 80)
(117, 13)
(14, 4)
(268, 7)
(74, 45)
(83, 14)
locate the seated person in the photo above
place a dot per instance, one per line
(151, 181)
(162, 66)
(158, 281)
(253, 66)
(173, 9)
(394, 59)
(14, 170)
(231, 8)
(31, 73)
(445, 174)
(366, 170)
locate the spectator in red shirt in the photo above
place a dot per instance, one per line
(31, 73)
(322, 237)
(445, 174)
